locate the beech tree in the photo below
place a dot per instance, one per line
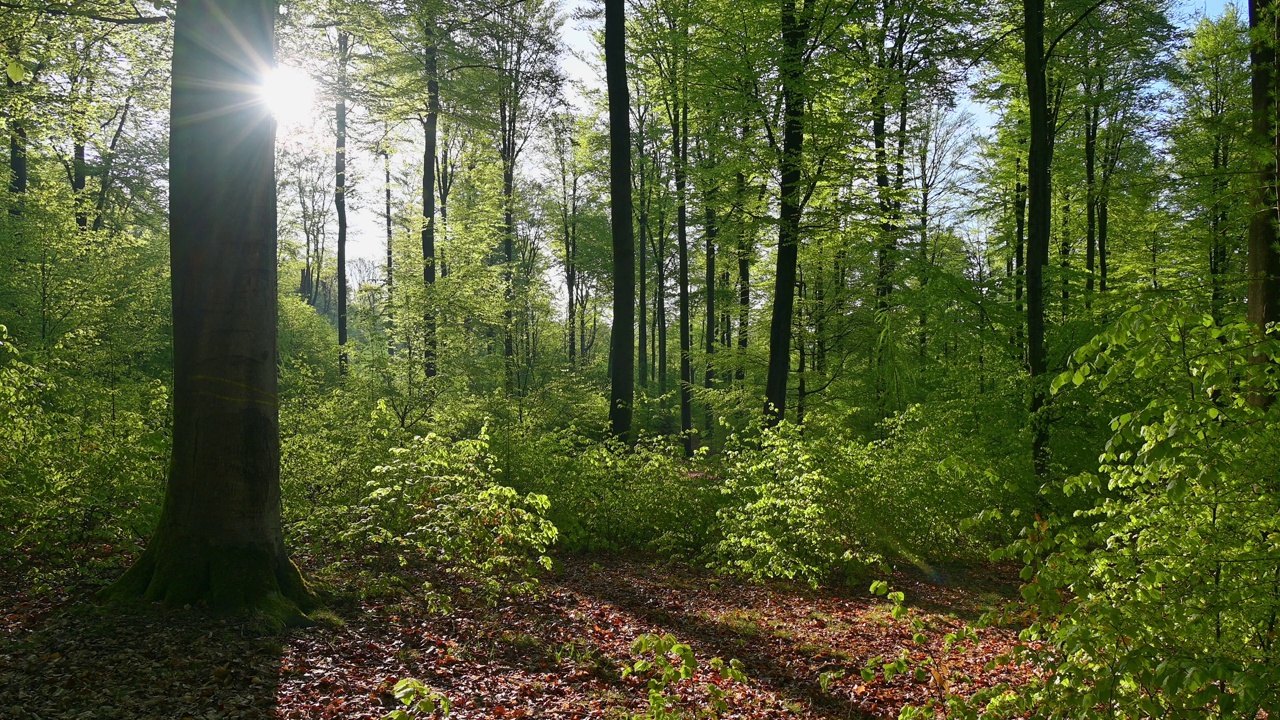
(622, 342)
(219, 537)
(1264, 256)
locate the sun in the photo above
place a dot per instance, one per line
(290, 94)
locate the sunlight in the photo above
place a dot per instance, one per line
(291, 95)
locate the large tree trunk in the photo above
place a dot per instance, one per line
(1039, 207)
(219, 538)
(340, 197)
(1264, 258)
(784, 283)
(622, 339)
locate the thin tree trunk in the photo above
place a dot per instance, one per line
(1020, 241)
(1064, 250)
(389, 282)
(78, 179)
(644, 273)
(1091, 114)
(744, 277)
(340, 197)
(430, 125)
(680, 148)
(661, 302)
(18, 168)
(709, 238)
(108, 165)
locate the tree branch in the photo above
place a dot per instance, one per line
(1048, 53)
(47, 10)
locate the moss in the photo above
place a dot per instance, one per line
(178, 570)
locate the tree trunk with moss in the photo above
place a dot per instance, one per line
(219, 539)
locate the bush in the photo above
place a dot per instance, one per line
(79, 466)
(1161, 598)
(437, 503)
(806, 507)
(606, 496)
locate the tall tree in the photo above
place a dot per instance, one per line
(795, 31)
(622, 340)
(1264, 256)
(340, 191)
(1039, 207)
(219, 538)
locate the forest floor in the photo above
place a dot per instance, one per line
(554, 655)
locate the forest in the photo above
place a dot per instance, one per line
(400, 359)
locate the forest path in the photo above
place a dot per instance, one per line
(553, 656)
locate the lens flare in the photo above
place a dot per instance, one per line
(291, 96)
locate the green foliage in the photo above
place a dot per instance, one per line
(1160, 598)
(666, 663)
(606, 496)
(80, 467)
(419, 701)
(438, 502)
(787, 516)
(805, 507)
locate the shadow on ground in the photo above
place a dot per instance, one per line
(85, 661)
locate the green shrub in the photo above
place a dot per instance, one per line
(807, 507)
(80, 465)
(606, 496)
(438, 503)
(1161, 598)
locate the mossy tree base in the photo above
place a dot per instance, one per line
(181, 570)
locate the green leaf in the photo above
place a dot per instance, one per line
(16, 71)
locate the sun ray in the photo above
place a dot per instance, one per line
(290, 94)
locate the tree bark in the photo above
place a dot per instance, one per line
(791, 73)
(18, 167)
(644, 270)
(389, 276)
(1039, 201)
(709, 240)
(622, 337)
(744, 277)
(680, 151)
(1264, 258)
(430, 125)
(340, 197)
(219, 538)
(1092, 111)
